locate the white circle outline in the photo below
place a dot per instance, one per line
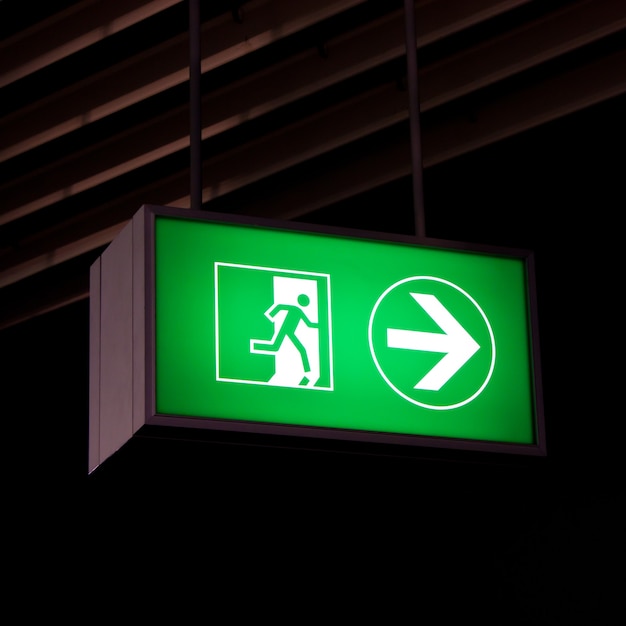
(380, 369)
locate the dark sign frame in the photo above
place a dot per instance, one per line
(297, 432)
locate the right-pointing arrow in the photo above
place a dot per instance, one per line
(455, 342)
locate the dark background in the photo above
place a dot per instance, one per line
(540, 535)
(239, 528)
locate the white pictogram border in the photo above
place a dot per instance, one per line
(219, 378)
(380, 369)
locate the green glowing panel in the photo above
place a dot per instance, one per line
(291, 327)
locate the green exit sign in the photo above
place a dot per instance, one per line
(275, 327)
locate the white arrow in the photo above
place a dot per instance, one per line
(455, 342)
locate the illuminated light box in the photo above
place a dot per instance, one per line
(211, 321)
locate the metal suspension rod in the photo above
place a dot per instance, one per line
(414, 118)
(195, 126)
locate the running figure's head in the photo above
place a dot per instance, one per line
(303, 300)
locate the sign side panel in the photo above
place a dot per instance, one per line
(94, 367)
(139, 321)
(116, 347)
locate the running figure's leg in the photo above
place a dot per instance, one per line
(271, 347)
(302, 350)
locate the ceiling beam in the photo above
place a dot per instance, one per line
(493, 121)
(456, 76)
(157, 69)
(70, 31)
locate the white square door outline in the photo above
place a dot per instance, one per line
(297, 336)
